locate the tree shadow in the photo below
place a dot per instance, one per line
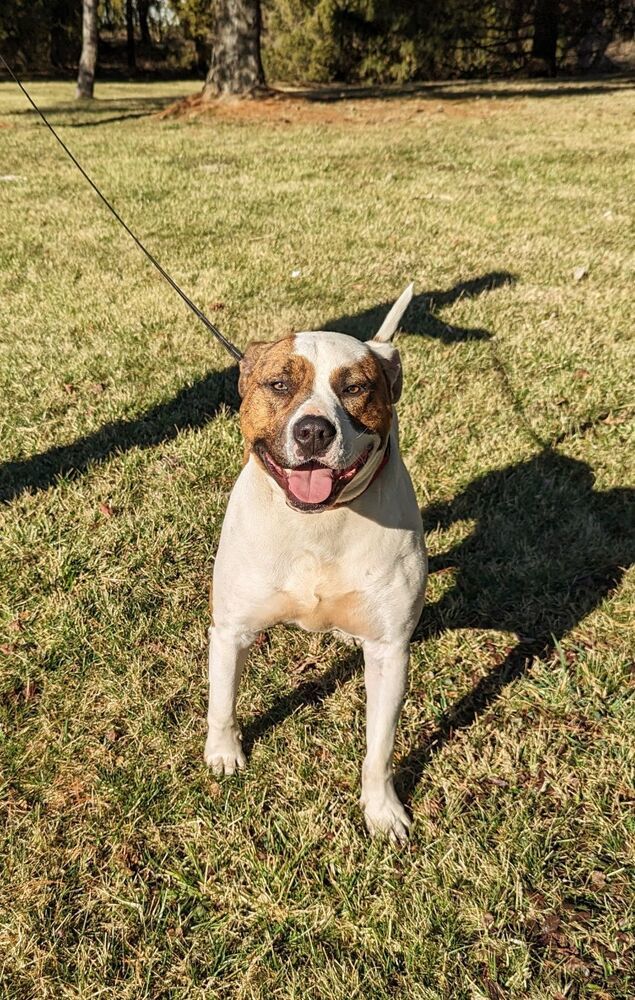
(420, 318)
(192, 408)
(99, 111)
(456, 91)
(97, 122)
(545, 551)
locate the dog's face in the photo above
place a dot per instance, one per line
(316, 412)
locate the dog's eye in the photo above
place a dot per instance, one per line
(279, 386)
(354, 390)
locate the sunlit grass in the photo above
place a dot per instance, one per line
(128, 871)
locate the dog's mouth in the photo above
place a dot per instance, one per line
(312, 486)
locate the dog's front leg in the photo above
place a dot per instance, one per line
(385, 675)
(227, 654)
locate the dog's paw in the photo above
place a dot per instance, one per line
(387, 818)
(224, 753)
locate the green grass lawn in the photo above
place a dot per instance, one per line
(127, 870)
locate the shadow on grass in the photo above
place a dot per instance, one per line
(571, 86)
(194, 406)
(312, 691)
(101, 112)
(420, 318)
(546, 549)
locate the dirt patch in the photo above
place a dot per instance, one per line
(291, 108)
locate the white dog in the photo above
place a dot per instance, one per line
(322, 530)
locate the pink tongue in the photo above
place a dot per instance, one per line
(311, 485)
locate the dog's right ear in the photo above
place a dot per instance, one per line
(247, 363)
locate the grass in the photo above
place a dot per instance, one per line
(127, 870)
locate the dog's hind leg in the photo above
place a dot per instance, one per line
(385, 675)
(228, 650)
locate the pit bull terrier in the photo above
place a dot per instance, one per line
(323, 531)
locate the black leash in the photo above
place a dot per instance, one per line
(235, 353)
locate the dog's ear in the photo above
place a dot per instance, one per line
(387, 329)
(248, 362)
(382, 348)
(388, 357)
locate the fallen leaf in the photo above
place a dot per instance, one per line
(581, 917)
(217, 306)
(579, 273)
(597, 879)
(301, 666)
(582, 373)
(106, 509)
(606, 952)
(97, 387)
(575, 964)
(70, 388)
(550, 923)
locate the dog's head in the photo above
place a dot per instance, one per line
(316, 410)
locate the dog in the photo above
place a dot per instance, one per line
(322, 530)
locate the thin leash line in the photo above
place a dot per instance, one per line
(195, 309)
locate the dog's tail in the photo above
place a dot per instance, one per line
(388, 327)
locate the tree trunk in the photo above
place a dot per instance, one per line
(65, 21)
(236, 66)
(88, 58)
(594, 40)
(545, 41)
(142, 10)
(130, 46)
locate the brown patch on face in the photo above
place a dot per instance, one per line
(369, 405)
(266, 408)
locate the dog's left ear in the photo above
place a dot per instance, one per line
(388, 357)
(384, 350)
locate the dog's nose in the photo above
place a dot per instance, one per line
(314, 435)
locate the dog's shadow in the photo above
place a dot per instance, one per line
(191, 409)
(546, 549)
(194, 406)
(421, 318)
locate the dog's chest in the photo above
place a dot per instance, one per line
(320, 595)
